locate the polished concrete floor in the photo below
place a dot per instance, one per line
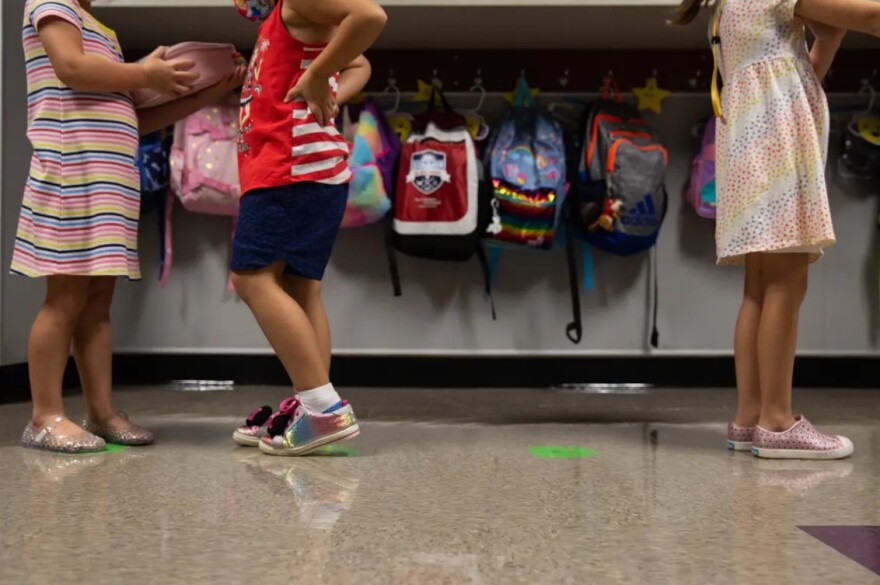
(448, 487)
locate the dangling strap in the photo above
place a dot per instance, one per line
(487, 278)
(716, 55)
(168, 256)
(589, 268)
(229, 286)
(494, 261)
(655, 333)
(161, 205)
(575, 329)
(392, 257)
(524, 97)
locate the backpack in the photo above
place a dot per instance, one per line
(204, 168)
(439, 206)
(700, 190)
(154, 171)
(619, 199)
(861, 146)
(212, 62)
(527, 173)
(375, 151)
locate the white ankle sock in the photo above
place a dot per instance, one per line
(320, 399)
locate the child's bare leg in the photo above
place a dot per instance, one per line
(49, 347)
(307, 293)
(784, 278)
(748, 384)
(285, 325)
(92, 349)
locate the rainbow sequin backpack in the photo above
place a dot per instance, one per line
(526, 171)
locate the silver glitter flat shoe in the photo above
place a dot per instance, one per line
(130, 434)
(48, 439)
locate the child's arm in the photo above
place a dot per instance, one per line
(353, 79)
(153, 119)
(825, 47)
(83, 71)
(858, 15)
(359, 24)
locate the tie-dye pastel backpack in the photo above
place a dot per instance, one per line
(375, 151)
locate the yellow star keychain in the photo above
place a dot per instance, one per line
(651, 96)
(511, 97)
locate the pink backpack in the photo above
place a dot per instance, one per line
(204, 168)
(700, 191)
(214, 63)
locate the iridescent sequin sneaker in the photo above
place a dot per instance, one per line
(249, 434)
(50, 438)
(739, 438)
(802, 441)
(121, 434)
(309, 431)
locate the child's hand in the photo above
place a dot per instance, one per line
(174, 77)
(826, 31)
(220, 90)
(316, 93)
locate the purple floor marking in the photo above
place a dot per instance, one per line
(860, 543)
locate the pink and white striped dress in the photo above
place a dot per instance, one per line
(82, 199)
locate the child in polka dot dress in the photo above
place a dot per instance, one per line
(773, 212)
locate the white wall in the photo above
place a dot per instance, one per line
(442, 310)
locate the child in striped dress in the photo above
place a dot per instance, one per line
(293, 167)
(79, 217)
(773, 212)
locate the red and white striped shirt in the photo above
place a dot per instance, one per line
(281, 143)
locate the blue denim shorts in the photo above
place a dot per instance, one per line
(296, 224)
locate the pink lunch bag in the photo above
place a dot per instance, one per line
(214, 62)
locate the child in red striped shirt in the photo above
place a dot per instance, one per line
(293, 166)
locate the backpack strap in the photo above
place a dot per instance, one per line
(575, 329)
(487, 277)
(716, 55)
(229, 286)
(168, 255)
(655, 333)
(392, 257)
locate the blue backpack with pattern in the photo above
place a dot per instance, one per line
(527, 176)
(155, 172)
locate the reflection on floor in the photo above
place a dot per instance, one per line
(447, 487)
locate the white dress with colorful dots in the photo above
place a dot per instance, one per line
(772, 144)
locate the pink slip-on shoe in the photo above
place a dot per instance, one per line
(739, 438)
(801, 441)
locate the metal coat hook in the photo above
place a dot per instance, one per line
(392, 88)
(478, 87)
(868, 88)
(563, 81)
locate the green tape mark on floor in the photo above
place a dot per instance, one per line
(336, 451)
(561, 452)
(110, 448)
